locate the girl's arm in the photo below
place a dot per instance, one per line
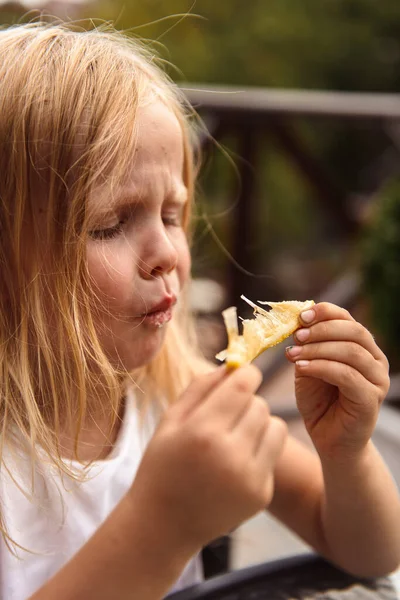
(342, 500)
(349, 512)
(208, 467)
(132, 555)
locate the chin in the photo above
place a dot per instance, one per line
(138, 353)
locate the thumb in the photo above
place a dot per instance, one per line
(198, 390)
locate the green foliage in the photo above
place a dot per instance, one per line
(381, 267)
(331, 44)
(323, 44)
(312, 44)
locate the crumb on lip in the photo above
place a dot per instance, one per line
(160, 317)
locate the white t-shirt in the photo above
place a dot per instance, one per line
(63, 517)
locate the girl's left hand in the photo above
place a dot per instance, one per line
(341, 379)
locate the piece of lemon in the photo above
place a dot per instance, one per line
(267, 329)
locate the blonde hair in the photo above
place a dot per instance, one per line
(68, 101)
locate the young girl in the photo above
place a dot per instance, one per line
(122, 453)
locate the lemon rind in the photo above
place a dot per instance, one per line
(237, 352)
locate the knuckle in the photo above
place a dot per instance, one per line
(255, 374)
(204, 379)
(324, 305)
(324, 330)
(281, 433)
(282, 427)
(202, 440)
(263, 414)
(267, 492)
(347, 314)
(262, 407)
(367, 334)
(247, 379)
(242, 386)
(356, 329)
(359, 332)
(326, 308)
(349, 375)
(355, 351)
(386, 363)
(385, 387)
(317, 350)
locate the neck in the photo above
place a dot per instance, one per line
(96, 439)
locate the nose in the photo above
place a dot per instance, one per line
(159, 256)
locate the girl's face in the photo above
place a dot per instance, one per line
(138, 256)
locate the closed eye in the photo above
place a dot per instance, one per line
(107, 233)
(172, 221)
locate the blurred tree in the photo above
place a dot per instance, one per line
(332, 44)
(316, 44)
(320, 44)
(380, 261)
(11, 12)
(351, 45)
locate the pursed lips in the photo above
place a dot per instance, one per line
(166, 303)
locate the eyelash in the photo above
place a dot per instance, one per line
(111, 232)
(108, 233)
(173, 221)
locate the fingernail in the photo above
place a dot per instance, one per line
(302, 363)
(302, 334)
(308, 316)
(293, 350)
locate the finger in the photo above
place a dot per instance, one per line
(253, 423)
(229, 400)
(340, 330)
(324, 311)
(272, 443)
(198, 390)
(348, 353)
(349, 381)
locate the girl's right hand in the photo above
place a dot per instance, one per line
(210, 463)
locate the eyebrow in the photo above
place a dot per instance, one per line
(179, 195)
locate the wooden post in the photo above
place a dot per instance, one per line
(244, 217)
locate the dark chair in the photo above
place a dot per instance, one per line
(216, 557)
(304, 576)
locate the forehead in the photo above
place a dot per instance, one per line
(159, 135)
(157, 162)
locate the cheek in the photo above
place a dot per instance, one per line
(111, 276)
(184, 262)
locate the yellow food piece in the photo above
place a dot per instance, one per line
(267, 329)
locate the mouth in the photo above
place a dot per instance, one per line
(166, 304)
(158, 318)
(160, 313)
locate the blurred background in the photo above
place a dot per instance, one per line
(299, 192)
